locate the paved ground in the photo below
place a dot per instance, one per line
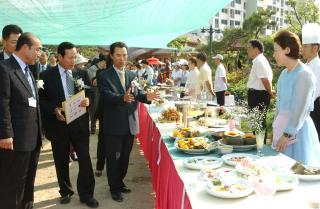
(138, 179)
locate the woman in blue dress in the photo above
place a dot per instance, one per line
(294, 132)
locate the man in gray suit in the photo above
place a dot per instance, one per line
(119, 116)
(20, 125)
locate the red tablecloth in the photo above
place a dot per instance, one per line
(169, 188)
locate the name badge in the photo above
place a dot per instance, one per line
(32, 102)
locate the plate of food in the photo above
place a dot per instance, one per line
(197, 163)
(160, 102)
(229, 188)
(169, 115)
(286, 182)
(237, 141)
(185, 133)
(196, 145)
(235, 158)
(306, 173)
(207, 174)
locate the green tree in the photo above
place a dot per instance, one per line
(255, 25)
(301, 12)
(178, 43)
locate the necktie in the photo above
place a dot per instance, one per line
(42, 68)
(69, 82)
(123, 80)
(29, 79)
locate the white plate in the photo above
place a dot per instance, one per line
(239, 148)
(226, 158)
(198, 151)
(286, 182)
(196, 163)
(309, 177)
(237, 188)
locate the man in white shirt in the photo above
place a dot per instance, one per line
(176, 75)
(310, 49)
(260, 78)
(10, 35)
(192, 81)
(220, 80)
(205, 77)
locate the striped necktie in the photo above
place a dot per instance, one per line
(29, 79)
(69, 82)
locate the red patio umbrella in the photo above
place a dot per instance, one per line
(153, 61)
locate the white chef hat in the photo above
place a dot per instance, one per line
(311, 33)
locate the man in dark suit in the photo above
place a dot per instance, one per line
(10, 35)
(59, 85)
(20, 125)
(120, 116)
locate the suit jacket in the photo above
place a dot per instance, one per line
(52, 96)
(1, 56)
(119, 118)
(18, 120)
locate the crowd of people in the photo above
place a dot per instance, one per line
(29, 112)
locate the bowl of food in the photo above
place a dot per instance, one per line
(225, 149)
(249, 138)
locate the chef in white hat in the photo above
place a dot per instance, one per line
(310, 49)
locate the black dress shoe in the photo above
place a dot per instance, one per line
(125, 190)
(90, 202)
(116, 196)
(65, 199)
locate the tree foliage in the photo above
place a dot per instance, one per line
(178, 43)
(301, 12)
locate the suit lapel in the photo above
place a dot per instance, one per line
(20, 74)
(58, 82)
(116, 78)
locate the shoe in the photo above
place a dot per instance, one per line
(98, 173)
(116, 196)
(91, 202)
(125, 190)
(65, 199)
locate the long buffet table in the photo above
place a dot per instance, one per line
(177, 187)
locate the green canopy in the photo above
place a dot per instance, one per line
(139, 23)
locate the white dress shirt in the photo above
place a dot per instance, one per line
(260, 69)
(63, 76)
(314, 64)
(219, 84)
(5, 55)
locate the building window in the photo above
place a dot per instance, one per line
(231, 22)
(274, 1)
(244, 15)
(224, 22)
(238, 1)
(237, 23)
(244, 5)
(282, 3)
(216, 23)
(238, 12)
(225, 11)
(231, 13)
(232, 4)
(269, 7)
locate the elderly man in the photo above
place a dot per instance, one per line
(310, 49)
(20, 125)
(220, 80)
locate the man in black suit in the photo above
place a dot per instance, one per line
(10, 35)
(119, 116)
(59, 85)
(20, 125)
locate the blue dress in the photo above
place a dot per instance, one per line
(295, 92)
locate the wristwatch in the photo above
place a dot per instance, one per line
(287, 135)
